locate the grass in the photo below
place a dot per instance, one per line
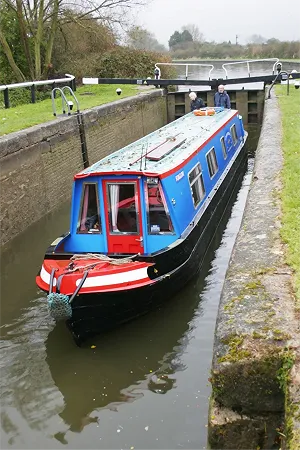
(24, 116)
(290, 196)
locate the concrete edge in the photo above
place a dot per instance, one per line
(257, 332)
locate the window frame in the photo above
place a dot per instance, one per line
(234, 134)
(122, 233)
(172, 232)
(223, 145)
(208, 166)
(100, 231)
(199, 176)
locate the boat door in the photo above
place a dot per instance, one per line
(123, 216)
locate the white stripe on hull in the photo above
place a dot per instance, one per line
(45, 276)
(118, 278)
(104, 280)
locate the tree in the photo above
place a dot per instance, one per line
(257, 39)
(13, 61)
(175, 39)
(178, 38)
(194, 32)
(139, 38)
(77, 52)
(186, 36)
(39, 21)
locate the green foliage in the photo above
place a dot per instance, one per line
(290, 230)
(23, 96)
(283, 373)
(126, 62)
(50, 35)
(235, 352)
(10, 27)
(78, 45)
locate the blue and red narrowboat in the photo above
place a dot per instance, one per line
(141, 222)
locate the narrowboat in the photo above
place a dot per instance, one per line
(141, 221)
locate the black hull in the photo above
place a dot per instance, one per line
(97, 313)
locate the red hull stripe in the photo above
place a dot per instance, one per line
(98, 280)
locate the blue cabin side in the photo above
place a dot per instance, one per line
(225, 145)
(159, 209)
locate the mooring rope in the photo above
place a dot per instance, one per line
(99, 258)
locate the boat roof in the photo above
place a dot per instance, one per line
(166, 148)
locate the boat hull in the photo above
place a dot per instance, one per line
(95, 313)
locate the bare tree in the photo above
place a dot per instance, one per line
(142, 39)
(39, 21)
(195, 32)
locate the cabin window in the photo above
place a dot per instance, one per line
(89, 218)
(212, 162)
(159, 220)
(123, 208)
(234, 134)
(223, 147)
(197, 185)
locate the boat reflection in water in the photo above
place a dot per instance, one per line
(139, 356)
(119, 366)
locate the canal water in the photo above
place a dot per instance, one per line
(198, 71)
(142, 386)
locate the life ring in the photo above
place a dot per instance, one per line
(204, 112)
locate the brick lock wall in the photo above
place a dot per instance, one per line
(37, 165)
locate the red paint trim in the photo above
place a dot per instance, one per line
(157, 174)
(148, 174)
(68, 284)
(175, 169)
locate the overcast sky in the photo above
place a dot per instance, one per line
(222, 20)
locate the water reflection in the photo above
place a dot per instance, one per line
(142, 355)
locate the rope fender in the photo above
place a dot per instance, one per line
(59, 305)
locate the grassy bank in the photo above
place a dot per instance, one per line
(24, 116)
(290, 232)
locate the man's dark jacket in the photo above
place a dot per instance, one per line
(222, 99)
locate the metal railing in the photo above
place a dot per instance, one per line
(282, 76)
(248, 62)
(65, 103)
(32, 84)
(186, 65)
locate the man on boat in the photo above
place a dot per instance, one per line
(222, 98)
(196, 103)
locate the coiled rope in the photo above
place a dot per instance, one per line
(99, 258)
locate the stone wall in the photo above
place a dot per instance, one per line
(257, 329)
(37, 165)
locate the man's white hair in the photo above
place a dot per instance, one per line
(192, 95)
